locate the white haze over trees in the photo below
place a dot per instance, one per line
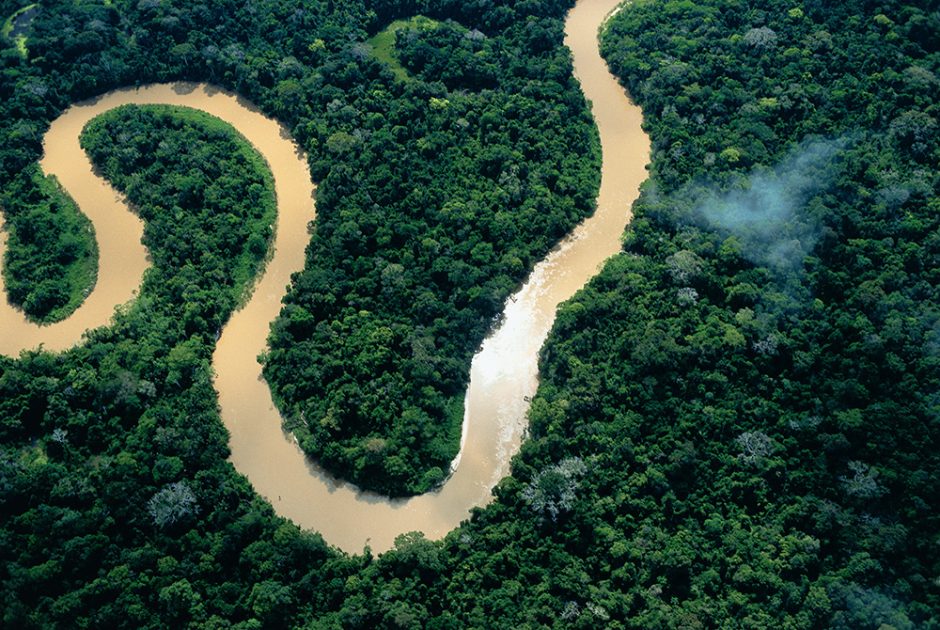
(765, 210)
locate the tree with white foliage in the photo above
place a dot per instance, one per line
(552, 490)
(174, 503)
(755, 446)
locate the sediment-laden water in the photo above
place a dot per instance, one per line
(503, 375)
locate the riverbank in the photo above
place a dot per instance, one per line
(504, 374)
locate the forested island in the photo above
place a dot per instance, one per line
(737, 422)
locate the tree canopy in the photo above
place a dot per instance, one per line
(737, 420)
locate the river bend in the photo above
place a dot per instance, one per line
(504, 374)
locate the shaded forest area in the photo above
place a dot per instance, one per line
(737, 423)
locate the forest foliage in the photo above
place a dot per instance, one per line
(433, 205)
(736, 425)
(51, 258)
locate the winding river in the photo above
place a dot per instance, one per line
(504, 374)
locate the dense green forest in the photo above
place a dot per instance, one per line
(51, 260)
(738, 418)
(182, 166)
(438, 192)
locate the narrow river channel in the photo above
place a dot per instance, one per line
(503, 374)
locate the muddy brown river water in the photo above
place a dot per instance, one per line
(504, 374)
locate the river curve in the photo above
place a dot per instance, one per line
(503, 374)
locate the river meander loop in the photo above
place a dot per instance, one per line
(504, 374)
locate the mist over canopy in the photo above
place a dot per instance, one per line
(766, 212)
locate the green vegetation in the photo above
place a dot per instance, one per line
(432, 205)
(206, 178)
(435, 196)
(737, 422)
(444, 51)
(383, 42)
(458, 57)
(15, 33)
(51, 260)
(131, 443)
(745, 369)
